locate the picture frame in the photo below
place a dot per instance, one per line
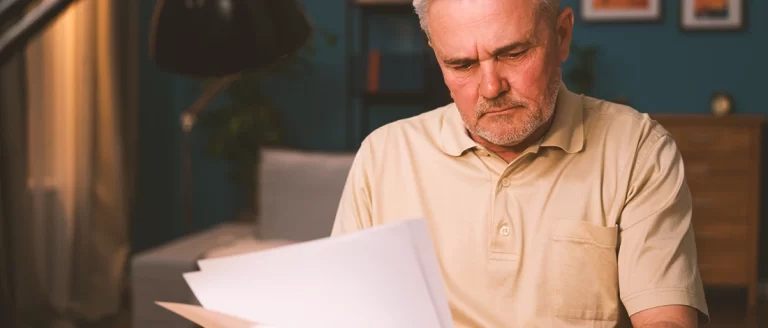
(712, 15)
(621, 11)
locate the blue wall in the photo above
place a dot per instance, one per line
(658, 67)
(661, 68)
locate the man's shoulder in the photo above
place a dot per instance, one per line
(425, 126)
(611, 121)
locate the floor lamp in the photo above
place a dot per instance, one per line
(220, 39)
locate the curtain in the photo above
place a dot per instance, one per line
(13, 168)
(6, 299)
(71, 246)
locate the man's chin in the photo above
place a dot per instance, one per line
(504, 138)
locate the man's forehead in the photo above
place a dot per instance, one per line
(517, 13)
(484, 31)
(418, 3)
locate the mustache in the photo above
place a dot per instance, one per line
(489, 105)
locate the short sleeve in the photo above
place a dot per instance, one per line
(657, 254)
(354, 211)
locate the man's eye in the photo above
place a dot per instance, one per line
(515, 54)
(463, 67)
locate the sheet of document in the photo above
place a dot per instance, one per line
(419, 235)
(386, 276)
(431, 270)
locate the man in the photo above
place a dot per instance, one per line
(547, 208)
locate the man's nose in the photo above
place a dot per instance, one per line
(493, 84)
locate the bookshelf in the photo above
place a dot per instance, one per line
(380, 78)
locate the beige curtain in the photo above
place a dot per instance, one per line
(81, 86)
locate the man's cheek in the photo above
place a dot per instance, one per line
(528, 77)
(461, 87)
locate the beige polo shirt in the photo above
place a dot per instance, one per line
(590, 225)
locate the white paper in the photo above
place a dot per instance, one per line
(386, 276)
(431, 270)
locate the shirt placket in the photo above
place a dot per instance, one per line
(506, 227)
(501, 232)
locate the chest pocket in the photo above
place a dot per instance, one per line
(581, 271)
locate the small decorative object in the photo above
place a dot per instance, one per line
(712, 15)
(620, 10)
(722, 104)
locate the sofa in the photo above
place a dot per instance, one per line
(298, 195)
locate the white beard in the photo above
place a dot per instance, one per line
(509, 133)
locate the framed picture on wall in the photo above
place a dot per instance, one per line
(712, 15)
(621, 10)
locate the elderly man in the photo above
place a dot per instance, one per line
(547, 208)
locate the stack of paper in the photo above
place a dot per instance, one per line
(386, 276)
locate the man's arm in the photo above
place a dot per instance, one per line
(354, 211)
(659, 280)
(669, 316)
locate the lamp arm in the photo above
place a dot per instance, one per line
(188, 119)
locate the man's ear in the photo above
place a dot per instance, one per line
(564, 31)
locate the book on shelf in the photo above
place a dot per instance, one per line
(374, 68)
(377, 71)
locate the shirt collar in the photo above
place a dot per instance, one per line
(454, 135)
(566, 131)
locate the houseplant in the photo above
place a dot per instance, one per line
(236, 132)
(582, 73)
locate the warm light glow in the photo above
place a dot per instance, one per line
(59, 124)
(73, 94)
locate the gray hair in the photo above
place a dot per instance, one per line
(550, 9)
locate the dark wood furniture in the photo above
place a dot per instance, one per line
(722, 157)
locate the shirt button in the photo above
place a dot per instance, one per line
(505, 182)
(482, 153)
(504, 230)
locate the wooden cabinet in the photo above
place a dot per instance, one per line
(722, 164)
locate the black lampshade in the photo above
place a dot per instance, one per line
(214, 38)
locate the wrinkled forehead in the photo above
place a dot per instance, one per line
(516, 8)
(460, 25)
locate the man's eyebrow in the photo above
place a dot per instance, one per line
(458, 61)
(517, 45)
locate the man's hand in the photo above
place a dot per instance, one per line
(670, 316)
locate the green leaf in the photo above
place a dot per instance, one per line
(331, 40)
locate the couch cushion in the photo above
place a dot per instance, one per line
(299, 192)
